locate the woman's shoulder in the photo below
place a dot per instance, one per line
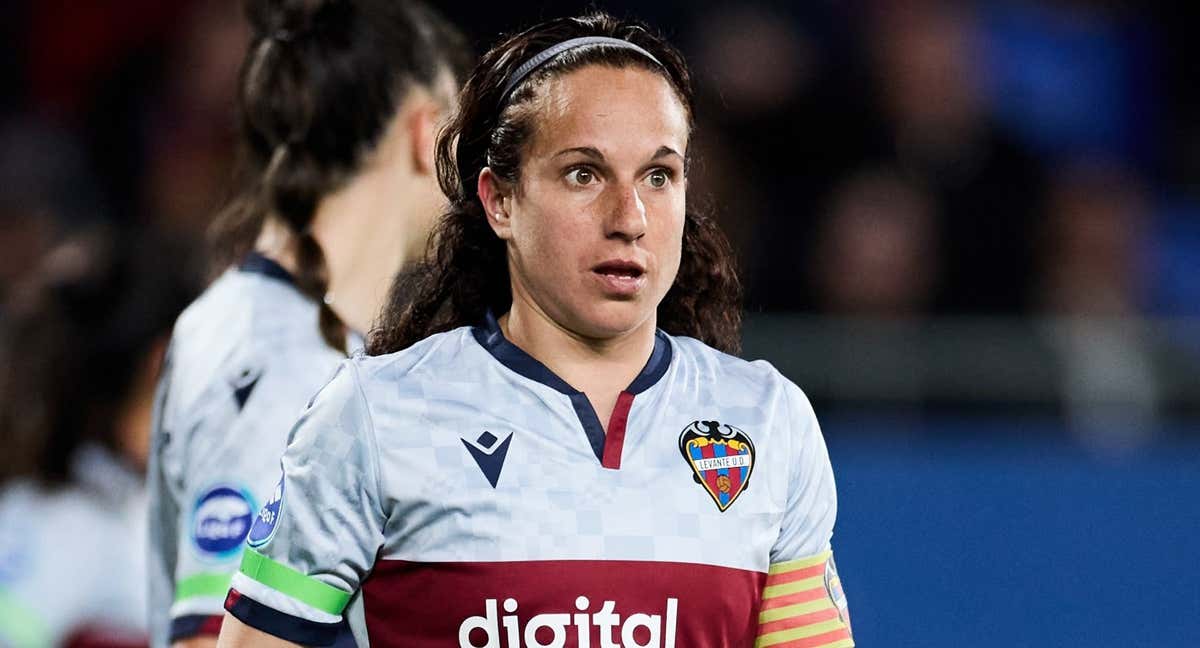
(436, 353)
(247, 308)
(695, 355)
(243, 328)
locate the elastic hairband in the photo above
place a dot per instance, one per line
(545, 55)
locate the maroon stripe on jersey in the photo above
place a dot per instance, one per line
(614, 439)
(558, 602)
(102, 636)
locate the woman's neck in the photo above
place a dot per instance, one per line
(363, 251)
(360, 260)
(601, 368)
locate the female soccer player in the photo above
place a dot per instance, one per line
(462, 490)
(340, 101)
(82, 343)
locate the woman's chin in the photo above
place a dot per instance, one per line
(612, 319)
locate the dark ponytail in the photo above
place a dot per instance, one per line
(321, 81)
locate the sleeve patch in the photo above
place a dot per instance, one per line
(268, 518)
(221, 519)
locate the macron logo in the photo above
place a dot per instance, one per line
(488, 454)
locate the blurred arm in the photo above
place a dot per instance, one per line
(235, 634)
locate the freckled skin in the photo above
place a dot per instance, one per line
(624, 200)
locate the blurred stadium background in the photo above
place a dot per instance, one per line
(970, 232)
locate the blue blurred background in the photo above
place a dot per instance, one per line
(970, 231)
(1005, 534)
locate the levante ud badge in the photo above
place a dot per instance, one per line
(721, 457)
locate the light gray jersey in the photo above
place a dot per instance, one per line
(72, 558)
(458, 493)
(243, 361)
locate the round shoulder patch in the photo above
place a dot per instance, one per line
(220, 521)
(268, 518)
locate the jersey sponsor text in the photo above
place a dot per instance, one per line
(638, 630)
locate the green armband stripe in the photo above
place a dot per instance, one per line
(208, 585)
(286, 580)
(19, 626)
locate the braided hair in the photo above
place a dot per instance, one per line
(320, 83)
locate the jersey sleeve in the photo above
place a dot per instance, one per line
(163, 515)
(201, 502)
(803, 603)
(316, 538)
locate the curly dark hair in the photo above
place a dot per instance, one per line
(466, 274)
(320, 83)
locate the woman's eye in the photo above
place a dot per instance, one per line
(581, 176)
(658, 179)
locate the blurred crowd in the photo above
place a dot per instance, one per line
(868, 158)
(880, 159)
(893, 160)
(996, 158)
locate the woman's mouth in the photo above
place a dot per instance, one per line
(620, 278)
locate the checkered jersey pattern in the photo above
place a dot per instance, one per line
(244, 360)
(461, 471)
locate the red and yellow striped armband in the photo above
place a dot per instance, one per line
(803, 606)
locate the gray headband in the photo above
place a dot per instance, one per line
(545, 55)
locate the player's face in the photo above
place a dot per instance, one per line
(596, 225)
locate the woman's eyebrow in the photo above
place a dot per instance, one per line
(585, 150)
(666, 151)
(594, 153)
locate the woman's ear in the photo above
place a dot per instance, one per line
(494, 197)
(423, 124)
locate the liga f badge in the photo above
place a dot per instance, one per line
(721, 458)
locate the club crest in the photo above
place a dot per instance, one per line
(721, 458)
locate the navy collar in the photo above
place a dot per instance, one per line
(256, 263)
(490, 337)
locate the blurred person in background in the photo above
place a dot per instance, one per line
(188, 127)
(81, 352)
(46, 189)
(340, 101)
(875, 265)
(784, 121)
(1094, 282)
(876, 254)
(116, 73)
(989, 187)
